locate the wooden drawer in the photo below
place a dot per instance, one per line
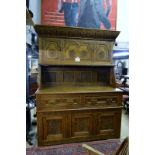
(58, 101)
(102, 100)
(73, 101)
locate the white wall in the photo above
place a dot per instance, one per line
(122, 21)
(35, 7)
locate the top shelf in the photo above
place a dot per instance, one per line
(75, 32)
(78, 89)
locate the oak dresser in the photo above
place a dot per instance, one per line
(77, 99)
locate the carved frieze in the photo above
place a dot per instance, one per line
(66, 51)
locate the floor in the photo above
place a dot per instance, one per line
(124, 125)
(124, 128)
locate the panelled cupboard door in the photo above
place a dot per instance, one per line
(51, 127)
(82, 125)
(108, 124)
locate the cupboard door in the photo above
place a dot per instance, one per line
(51, 127)
(81, 125)
(108, 124)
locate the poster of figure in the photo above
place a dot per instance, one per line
(94, 14)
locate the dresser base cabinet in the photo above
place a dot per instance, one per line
(77, 126)
(77, 117)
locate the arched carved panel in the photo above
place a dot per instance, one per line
(70, 50)
(52, 50)
(85, 53)
(66, 51)
(102, 53)
(76, 48)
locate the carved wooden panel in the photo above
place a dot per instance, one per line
(102, 53)
(108, 123)
(49, 51)
(65, 51)
(54, 127)
(81, 124)
(51, 127)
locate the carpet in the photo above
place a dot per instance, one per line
(105, 146)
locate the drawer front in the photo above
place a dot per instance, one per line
(70, 101)
(59, 101)
(102, 100)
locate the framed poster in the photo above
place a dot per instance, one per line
(97, 14)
